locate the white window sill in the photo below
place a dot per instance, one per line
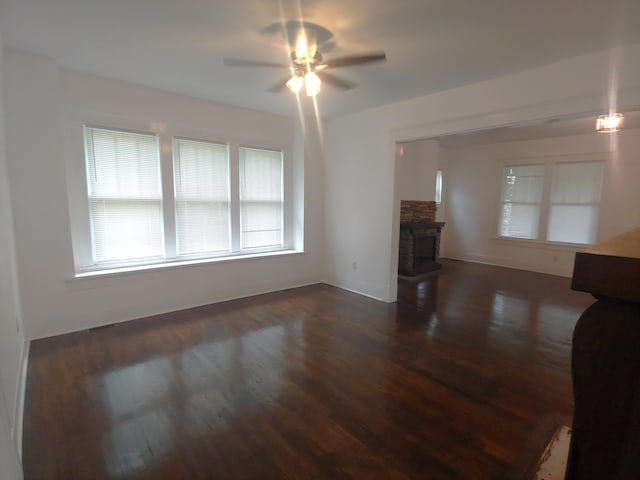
(102, 271)
(542, 244)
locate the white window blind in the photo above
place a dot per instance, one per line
(522, 191)
(575, 202)
(438, 196)
(261, 198)
(201, 177)
(125, 200)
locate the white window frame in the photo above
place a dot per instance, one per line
(549, 163)
(79, 206)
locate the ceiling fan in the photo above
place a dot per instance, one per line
(308, 67)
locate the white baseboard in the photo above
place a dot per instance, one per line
(18, 411)
(359, 292)
(509, 263)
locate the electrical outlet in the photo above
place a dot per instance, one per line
(354, 265)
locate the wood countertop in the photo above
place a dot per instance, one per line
(610, 269)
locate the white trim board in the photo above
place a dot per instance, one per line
(18, 411)
(553, 464)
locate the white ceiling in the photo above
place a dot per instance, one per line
(431, 45)
(558, 127)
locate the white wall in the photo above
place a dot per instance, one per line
(361, 215)
(11, 337)
(43, 106)
(358, 204)
(9, 465)
(310, 186)
(474, 193)
(416, 167)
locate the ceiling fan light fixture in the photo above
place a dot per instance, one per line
(312, 84)
(306, 44)
(609, 123)
(307, 66)
(295, 83)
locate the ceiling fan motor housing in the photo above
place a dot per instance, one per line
(304, 64)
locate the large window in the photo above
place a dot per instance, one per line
(188, 199)
(553, 201)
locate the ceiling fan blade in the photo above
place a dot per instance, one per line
(278, 87)
(355, 60)
(238, 62)
(336, 81)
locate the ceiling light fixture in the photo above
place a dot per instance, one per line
(609, 123)
(312, 83)
(304, 60)
(295, 83)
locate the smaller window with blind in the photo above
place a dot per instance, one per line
(261, 198)
(125, 196)
(522, 190)
(201, 177)
(438, 187)
(575, 202)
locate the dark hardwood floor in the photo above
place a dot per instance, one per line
(466, 377)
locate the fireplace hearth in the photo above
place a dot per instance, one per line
(419, 247)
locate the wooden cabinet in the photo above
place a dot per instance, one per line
(606, 363)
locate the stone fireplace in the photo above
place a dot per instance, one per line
(419, 237)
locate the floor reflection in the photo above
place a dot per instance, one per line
(198, 392)
(314, 382)
(420, 292)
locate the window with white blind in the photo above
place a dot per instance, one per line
(438, 196)
(155, 198)
(201, 177)
(522, 189)
(553, 201)
(125, 197)
(261, 198)
(575, 202)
